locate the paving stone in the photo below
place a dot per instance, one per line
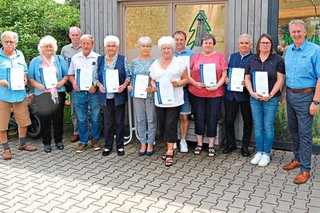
(144, 205)
(222, 205)
(284, 206)
(235, 210)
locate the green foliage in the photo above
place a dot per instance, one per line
(34, 19)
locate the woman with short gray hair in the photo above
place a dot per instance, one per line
(168, 70)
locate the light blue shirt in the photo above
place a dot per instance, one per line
(302, 65)
(185, 52)
(34, 73)
(16, 60)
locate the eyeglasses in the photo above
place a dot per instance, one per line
(265, 43)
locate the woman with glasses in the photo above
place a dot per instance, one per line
(264, 77)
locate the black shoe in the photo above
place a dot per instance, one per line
(106, 152)
(60, 146)
(229, 149)
(245, 152)
(120, 151)
(47, 148)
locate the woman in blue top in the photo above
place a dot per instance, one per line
(264, 106)
(144, 108)
(48, 73)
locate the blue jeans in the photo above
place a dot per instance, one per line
(83, 102)
(300, 126)
(264, 115)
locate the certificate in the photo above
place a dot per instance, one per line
(49, 77)
(140, 84)
(111, 83)
(185, 60)
(236, 76)
(165, 93)
(260, 83)
(84, 79)
(208, 74)
(16, 78)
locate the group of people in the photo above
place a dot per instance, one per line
(176, 83)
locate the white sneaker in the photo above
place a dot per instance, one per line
(265, 160)
(257, 157)
(183, 146)
(175, 146)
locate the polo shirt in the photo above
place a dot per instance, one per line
(68, 51)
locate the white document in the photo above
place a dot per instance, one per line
(237, 76)
(208, 74)
(85, 78)
(50, 77)
(261, 83)
(186, 62)
(17, 78)
(165, 93)
(140, 85)
(112, 81)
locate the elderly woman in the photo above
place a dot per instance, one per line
(206, 99)
(113, 103)
(168, 70)
(144, 107)
(48, 73)
(264, 107)
(13, 60)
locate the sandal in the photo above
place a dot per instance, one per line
(169, 160)
(164, 156)
(197, 150)
(211, 152)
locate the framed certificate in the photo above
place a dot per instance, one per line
(260, 82)
(48, 77)
(208, 74)
(236, 77)
(84, 79)
(111, 81)
(16, 78)
(165, 93)
(139, 84)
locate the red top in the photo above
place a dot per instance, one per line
(221, 65)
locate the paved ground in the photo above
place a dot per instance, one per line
(64, 181)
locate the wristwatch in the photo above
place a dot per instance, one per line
(316, 102)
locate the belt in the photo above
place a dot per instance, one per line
(305, 90)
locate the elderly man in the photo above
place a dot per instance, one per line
(85, 96)
(181, 51)
(67, 52)
(302, 62)
(11, 61)
(235, 99)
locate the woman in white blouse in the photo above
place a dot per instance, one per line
(168, 77)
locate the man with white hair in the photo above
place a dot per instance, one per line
(85, 97)
(67, 52)
(12, 62)
(302, 63)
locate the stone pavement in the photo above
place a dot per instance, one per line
(64, 181)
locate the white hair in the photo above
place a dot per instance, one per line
(298, 22)
(74, 29)
(111, 38)
(144, 40)
(11, 34)
(47, 40)
(85, 36)
(167, 40)
(245, 35)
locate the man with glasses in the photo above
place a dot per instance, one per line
(302, 62)
(12, 63)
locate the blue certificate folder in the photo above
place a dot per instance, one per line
(9, 77)
(42, 78)
(158, 93)
(201, 74)
(78, 78)
(253, 76)
(229, 76)
(134, 77)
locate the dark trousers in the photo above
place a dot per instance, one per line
(231, 112)
(168, 123)
(49, 111)
(113, 124)
(206, 115)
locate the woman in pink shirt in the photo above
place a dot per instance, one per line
(206, 98)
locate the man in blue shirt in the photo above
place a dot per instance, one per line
(11, 61)
(185, 55)
(302, 62)
(233, 100)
